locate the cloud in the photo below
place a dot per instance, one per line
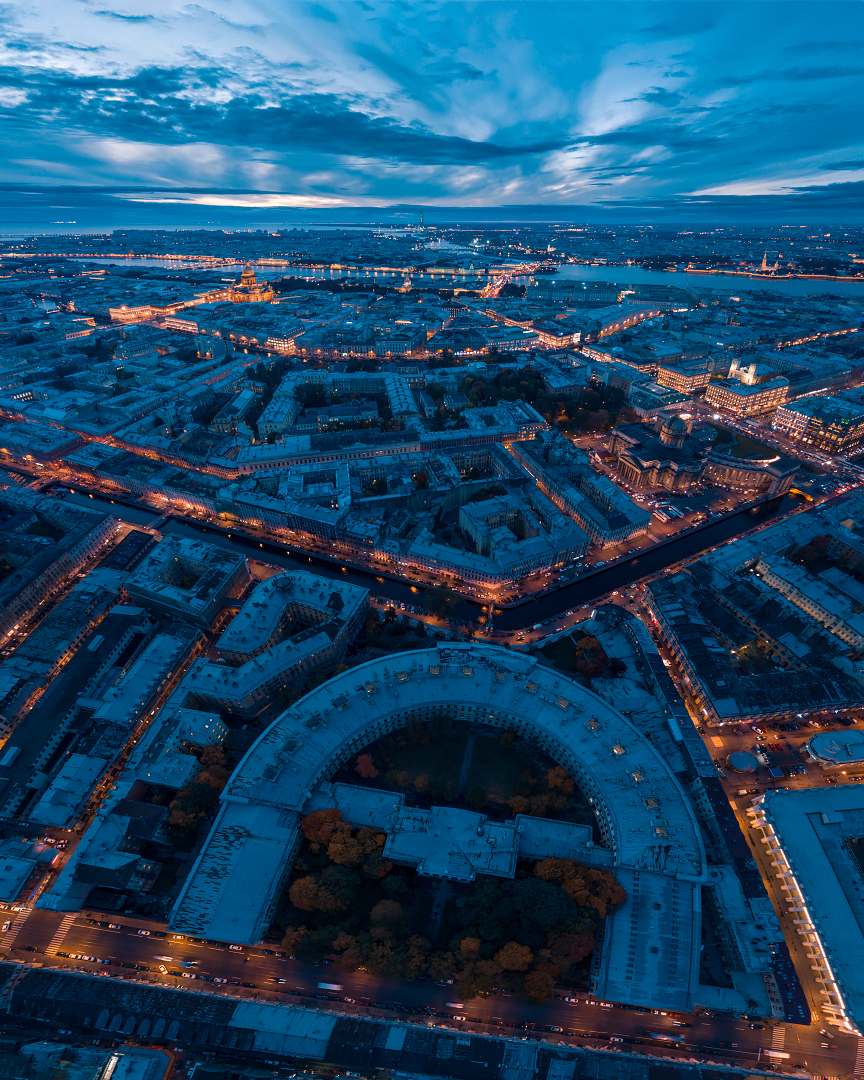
(10, 96)
(827, 71)
(234, 199)
(849, 165)
(172, 106)
(381, 101)
(450, 71)
(125, 18)
(659, 95)
(679, 137)
(322, 13)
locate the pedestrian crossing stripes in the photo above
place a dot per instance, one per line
(60, 933)
(859, 1059)
(778, 1037)
(20, 918)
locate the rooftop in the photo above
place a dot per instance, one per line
(818, 831)
(643, 812)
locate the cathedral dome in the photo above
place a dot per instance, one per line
(673, 432)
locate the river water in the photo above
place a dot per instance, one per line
(621, 275)
(731, 283)
(231, 271)
(583, 591)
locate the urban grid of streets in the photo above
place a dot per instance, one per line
(117, 946)
(114, 949)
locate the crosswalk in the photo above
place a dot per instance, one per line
(859, 1059)
(20, 918)
(778, 1037)
(60, 933)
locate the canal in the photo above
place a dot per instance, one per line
(583, 591)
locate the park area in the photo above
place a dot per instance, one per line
(497, 773)
(348, 904)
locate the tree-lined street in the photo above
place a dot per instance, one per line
(119, 950)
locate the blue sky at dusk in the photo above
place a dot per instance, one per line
(745, 109)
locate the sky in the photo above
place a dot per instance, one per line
(328, 110)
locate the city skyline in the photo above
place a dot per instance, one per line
(369, 111)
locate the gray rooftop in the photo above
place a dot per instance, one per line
(811, 830)
(645, 818)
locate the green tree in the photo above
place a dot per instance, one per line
(539, 986)
(332, 890)
(541, 902)
(387, 912)
(514, 957)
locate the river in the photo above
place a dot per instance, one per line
(734, 283)
(583, 591)
(231, 271)
(622, 275)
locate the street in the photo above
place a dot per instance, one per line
(251, 973)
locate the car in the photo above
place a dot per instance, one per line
(457, 1016)
(113, 925)
(143, 933)
(235, 948)
(252, 986)
(571, 1000)
(612, 1038)
(220, 980)
(163, 957)
(758, 1027)
(187, 974)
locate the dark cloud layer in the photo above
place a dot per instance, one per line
(644, 106)
(152, 106)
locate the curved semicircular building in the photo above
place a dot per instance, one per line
(649, 833)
